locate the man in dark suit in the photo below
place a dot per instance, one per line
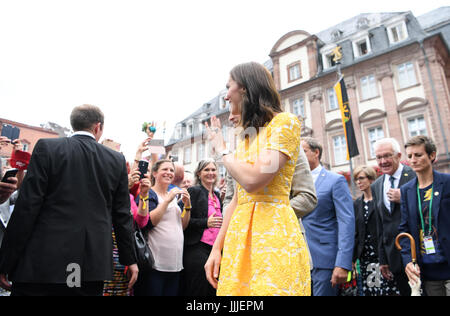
(426, 216)
(386, 196)
(59, 240)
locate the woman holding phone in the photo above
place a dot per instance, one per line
(164, 233)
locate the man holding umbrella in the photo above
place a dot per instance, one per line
(424, 215)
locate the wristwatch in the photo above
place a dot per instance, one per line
(219, 156)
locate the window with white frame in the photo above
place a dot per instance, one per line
(174, 153)
(375, 134)
(361, 47)
(329, 59)
(406, 75)
(397, 33)
(332, 99)
(417, 126)
(190, 129)
(178, 131)
(368, 87)
(187, 155)
(340, 149)
(201, 152)
(294, 72)
(298, 107)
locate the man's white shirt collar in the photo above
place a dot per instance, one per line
(397, 175)
(387, 184)
(316, 172)
(84, 134)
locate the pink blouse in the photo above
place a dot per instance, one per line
(210, 234)
(142, 221)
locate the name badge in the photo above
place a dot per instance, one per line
(429, 245)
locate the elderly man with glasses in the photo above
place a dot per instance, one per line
(387, 197)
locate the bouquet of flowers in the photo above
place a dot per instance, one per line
(148, 127)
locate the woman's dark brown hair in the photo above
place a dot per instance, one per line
(261, 100)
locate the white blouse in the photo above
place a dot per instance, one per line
(166, 240)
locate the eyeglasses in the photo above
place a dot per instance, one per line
(385, 157)
(360, 178)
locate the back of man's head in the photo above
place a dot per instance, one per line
(179, 175)
(85, 116)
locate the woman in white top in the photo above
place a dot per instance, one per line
(165, 233)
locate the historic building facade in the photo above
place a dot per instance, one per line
(396, 68)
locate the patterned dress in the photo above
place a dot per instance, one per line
(264, 251)
(118, 286)
(373, 283)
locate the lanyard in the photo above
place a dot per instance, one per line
(420, 210)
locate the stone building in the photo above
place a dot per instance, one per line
(396, 68)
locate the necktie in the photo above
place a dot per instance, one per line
(392, 179)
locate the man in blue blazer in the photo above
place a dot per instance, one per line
(425, 215)
(330, 227)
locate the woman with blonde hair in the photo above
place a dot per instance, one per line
(366, 237)
(204, 226)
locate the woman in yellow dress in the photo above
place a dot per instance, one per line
(264, 252)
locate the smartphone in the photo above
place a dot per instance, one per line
(143, 168)
(155, 146)
(11, 132)
(10, 173)
(156, 142)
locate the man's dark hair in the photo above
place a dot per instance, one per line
(418, 140)
(83, 117)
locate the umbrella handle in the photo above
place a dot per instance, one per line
(413, 245)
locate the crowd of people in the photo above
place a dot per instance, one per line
(279, 223)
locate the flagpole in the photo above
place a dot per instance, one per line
(352, 182)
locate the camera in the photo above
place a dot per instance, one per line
(11, 132)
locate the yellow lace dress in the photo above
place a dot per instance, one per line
(264, 251)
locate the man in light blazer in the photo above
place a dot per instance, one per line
(330, 227)
(59, 238)
(303, 197)
(387, 196)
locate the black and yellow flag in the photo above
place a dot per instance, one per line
(341, 95)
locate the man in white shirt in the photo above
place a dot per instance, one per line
(387, 197)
